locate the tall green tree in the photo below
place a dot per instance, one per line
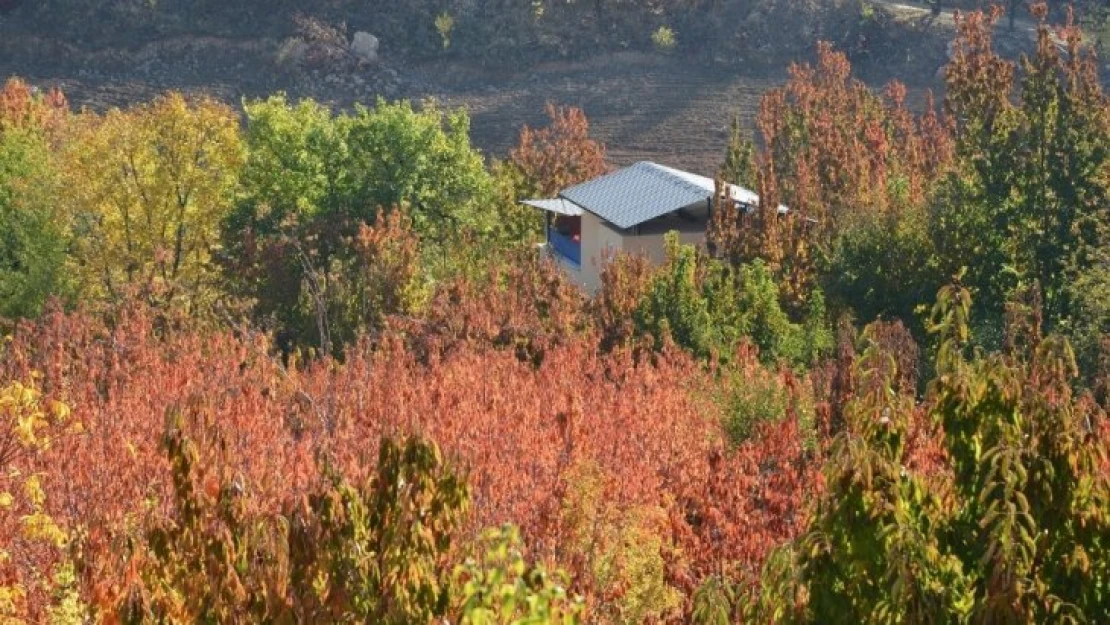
(740, 166)
(313, 179)
(293, 181)
(296, 163)
(1027, 204)
(305, 164)
(422, 159)
(32, 238)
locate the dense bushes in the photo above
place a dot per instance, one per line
(707, 306)
(1009, 526)
(884, 267)
(494, 31)
(643, 431)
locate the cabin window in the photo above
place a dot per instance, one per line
(568, 226)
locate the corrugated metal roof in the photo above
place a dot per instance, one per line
(556, 205)
(639, 193)
(736, 192)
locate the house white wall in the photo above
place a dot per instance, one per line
(599, 241)
(652, 245)
(647, 239)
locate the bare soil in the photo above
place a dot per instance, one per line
(642, 105)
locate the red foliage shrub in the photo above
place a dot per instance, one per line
(561, 155)
(21, 106)
(527, 304)
(516, 426)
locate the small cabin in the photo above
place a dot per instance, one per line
(630, 210)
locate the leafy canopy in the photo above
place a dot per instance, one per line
(32, 239)
(150, 185)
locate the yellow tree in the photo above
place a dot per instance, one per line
(149, 186)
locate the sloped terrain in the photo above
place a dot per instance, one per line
(672, 108)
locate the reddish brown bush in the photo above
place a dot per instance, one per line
(560, 155)
(21, 106)
(517, 426)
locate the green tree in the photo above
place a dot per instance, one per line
(707, 306)
(517, 224)
(313, 180)
(873, 553)
(285, 225)
(740, 166)
(1011, 528)
(1027, 204)
(675, 306)
(296, 164)
(422, 159)
(763, 320)
(713, 601)
(32, 237)
(1088, 328)
(1028, 474)
(884, 267)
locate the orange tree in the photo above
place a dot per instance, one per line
(854, 167)
(563, 154)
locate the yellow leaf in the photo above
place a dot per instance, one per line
(60, 410)
(32, 489)
(190, 148)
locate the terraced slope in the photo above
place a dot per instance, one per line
(642, 105)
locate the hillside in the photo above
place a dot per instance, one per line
(643, 103)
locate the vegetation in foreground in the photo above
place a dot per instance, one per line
(311, 370)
